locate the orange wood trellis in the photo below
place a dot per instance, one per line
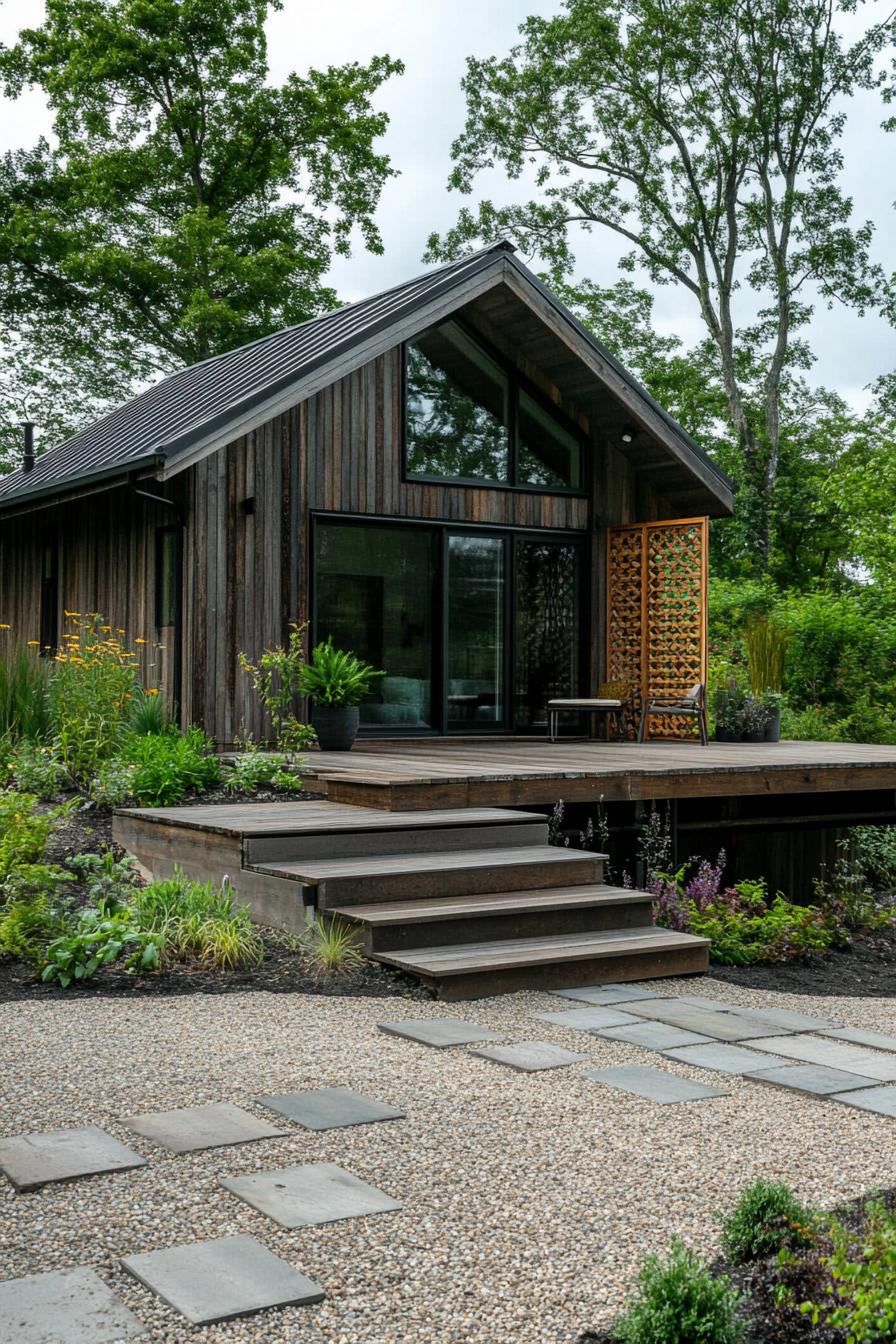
(657, 578)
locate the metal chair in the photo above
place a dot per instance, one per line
(692, 705)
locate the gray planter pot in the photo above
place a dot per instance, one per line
(336, 726)
(773, 727)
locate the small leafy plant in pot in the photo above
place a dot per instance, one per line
(336, 681)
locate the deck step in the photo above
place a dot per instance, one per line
(393, 925)
(471, 970)
(393, 877)
(363, 841)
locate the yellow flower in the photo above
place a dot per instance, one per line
(71, 613)
(3, 627)
(139, 641)
(34, 643)
(152, 691)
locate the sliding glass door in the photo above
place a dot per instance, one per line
(477, 629)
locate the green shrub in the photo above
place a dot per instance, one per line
(196, 920)
(24, 701)
(157, 770)
(861, 1300)
(332, 946)
(767, 1218)
(98, 939)
(276, 679)
(35, 768)
(149, 713)
(335, 677)
(255, 769)
(23, 831)
(92, 687)
(110, 882)
(875, 855)
(34, 914)
(745, 928)
(680, 1302)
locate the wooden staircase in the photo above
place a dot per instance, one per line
(476, 902)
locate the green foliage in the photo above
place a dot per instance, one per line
(195, 920)
(766, 649)
(335, 677)
(276, 678)
(24, 705)
(109, 882)
(861, 1300)
(766, 1218)
(875, 855)
(254, 769)
(33, 910)
(37, 769)
(184, 204)
(24, 831)
(332, 946)
(680, 1301)
(157, 769)
(97, 939)
(149, 713)
(745, 927)
(93, 684)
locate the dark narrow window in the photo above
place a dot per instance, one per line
(49, 596)
(548, 454)
(457, 421)
(167, 575)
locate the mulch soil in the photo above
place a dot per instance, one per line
(806, 1280)
(866, 970)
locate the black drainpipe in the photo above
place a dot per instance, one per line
(28, 446)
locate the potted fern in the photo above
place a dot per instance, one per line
(336, 682)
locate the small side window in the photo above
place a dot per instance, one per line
(167, 575)
(49, 596)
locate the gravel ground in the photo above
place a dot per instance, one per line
(530, 1200)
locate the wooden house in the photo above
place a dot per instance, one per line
(453, 478)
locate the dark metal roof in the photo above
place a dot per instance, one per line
(173, 415)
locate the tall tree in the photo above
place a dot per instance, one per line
(704, 133)
(185, 205)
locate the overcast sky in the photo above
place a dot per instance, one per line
(433, 38)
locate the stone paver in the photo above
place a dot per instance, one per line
(439, 1032)
(32, 1160)
(655, 1084)
(588, 1019)
(877, 1040)
(882, 1100)
(330, 1108)
(653, 1035)
(69, 1306)
(700, 1001)
(784, 1017)
(721, 1026)
(838, 1055)
(604, 994)
(217, 1280)
(814, 1078)
(529, 1056)
(305, 1196)
(724, 1058)
(195, 1127)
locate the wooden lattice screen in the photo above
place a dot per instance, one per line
(656, 610)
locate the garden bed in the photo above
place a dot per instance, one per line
(867, 969)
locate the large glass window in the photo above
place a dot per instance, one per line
(457, 408)
(475, 653)
(374, 593)
(467, 418)
(546, 656)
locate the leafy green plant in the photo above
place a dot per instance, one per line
(92, 687)
(680, 1301)
(159, 769)
(875, 855)
(113, 783)
(24, 831)
(253, 769)
(110, 882)
(35, 912)
(96, 940)
(24, 702)
(149, 713)
(861, 1300)
(335, 677)
(194, 919)
(276, 678)
(332, 947)
(36, 768)
(745, 927)
(766, 644)
(766, 1218)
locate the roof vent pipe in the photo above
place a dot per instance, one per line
(28, 445)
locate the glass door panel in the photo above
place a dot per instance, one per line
(375, 594)
(475, 632)
(546, 654)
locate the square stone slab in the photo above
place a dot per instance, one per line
(217, 1280)
(879, 1099)
(720, 1026)
(69, 1306)
(655, 1084)
(529, 1056)
(725, 1058)
(439, 1032)
(588, 1019)
(32, 1160)
(815, 1078)
(838, 1055)
(783, 1017)
(604, 994)
(330, 1108)
(700, 1001)
(305, 1196)
(877, 1040)
(195, 1127)
(653, 1035)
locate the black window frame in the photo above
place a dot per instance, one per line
(164, 534)
(516, 382)
(48, 616)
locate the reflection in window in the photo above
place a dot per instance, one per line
(549, 455)
(457, 408)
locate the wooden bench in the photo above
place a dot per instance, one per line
(586, 706)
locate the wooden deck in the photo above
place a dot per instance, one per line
(440, 773)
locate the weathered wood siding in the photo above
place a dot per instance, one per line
(106, 564)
